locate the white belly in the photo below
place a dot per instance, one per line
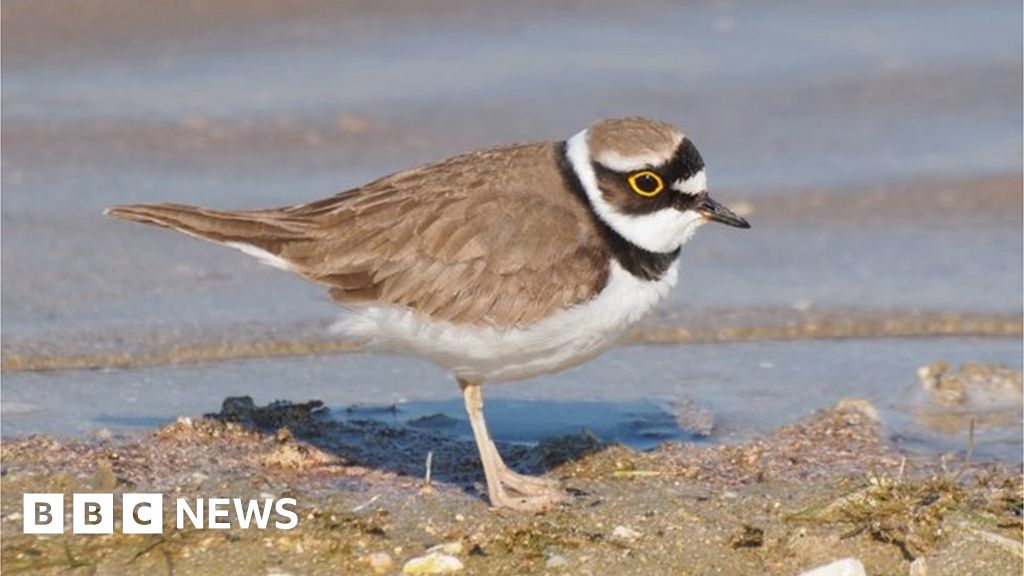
(489, 354)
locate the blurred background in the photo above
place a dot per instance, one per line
(875, 146)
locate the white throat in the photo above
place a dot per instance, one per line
(661, 231)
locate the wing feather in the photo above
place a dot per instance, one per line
(490, 237)
(458, 241)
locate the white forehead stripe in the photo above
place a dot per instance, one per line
(619, 163)
(694, 184)
(661, 231)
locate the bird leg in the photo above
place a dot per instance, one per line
(536, 493)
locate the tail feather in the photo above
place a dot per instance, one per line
(256, 233)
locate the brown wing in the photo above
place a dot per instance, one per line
(488, 237)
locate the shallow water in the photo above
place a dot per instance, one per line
(639, 395)
(234, 107)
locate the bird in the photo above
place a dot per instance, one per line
(497, 265)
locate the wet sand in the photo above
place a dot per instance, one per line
(728, 326)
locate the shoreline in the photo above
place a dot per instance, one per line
(775, 326)
(823, 488)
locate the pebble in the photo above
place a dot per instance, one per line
(625, 533)
(844, 567)
(432, 563)
(379, 562)
(556, 561)
(919, 567)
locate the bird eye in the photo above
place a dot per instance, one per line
(646, 183)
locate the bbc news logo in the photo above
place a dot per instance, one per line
(144, 513)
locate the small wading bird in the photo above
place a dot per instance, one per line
(499, 264)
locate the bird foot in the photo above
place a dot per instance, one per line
(527, 485)
(525, 493)
(540, 502)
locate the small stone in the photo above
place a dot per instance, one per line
(844, 567)
(625, 533)
(379, 562)
(433, 563)
(452, 548)
(556, 561)
(919, 567)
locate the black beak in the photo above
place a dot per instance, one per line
(715, 212)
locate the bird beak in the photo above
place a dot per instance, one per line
(715, 212)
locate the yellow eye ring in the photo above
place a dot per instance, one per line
(646, 183)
